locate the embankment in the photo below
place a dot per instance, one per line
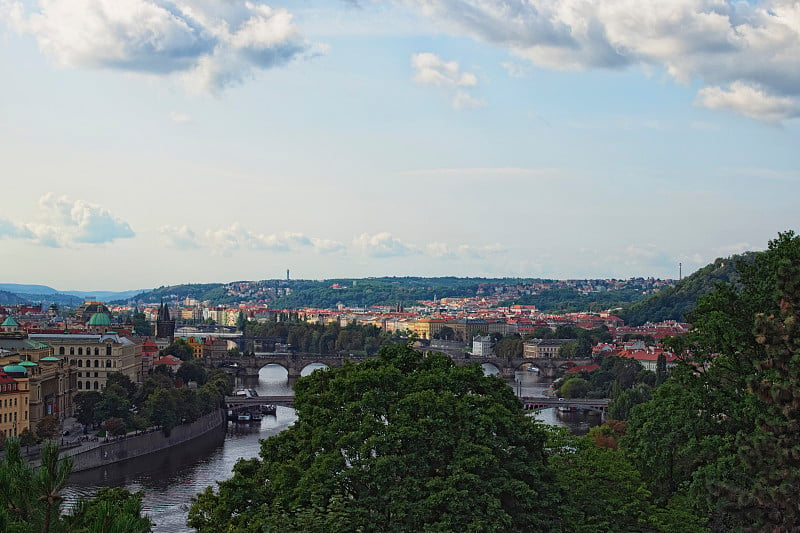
(99, 454)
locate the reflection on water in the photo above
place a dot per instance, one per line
(170, 479)
(531, 384)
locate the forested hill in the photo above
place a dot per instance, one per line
(674, 303)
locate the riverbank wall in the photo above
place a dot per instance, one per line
(101, 454)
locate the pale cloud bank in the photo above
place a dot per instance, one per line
(211, 45)
(64, 222)
(382, 245)
(746, 54)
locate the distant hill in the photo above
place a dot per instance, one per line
(42, 293)
(199, 291)
(674, 303)
(9, 298)
(17, 288)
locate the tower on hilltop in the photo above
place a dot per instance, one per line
(165, 325)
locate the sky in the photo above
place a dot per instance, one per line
(149, 142)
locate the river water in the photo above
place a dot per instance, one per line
(170, 479)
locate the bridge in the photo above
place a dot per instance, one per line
(248, 366)
(530, 403)
(579, 404)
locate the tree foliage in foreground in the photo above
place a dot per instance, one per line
(31, 502)
(720, 436)
(401, 442)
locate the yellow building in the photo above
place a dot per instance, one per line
(13, 401)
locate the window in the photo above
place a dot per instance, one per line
(61, 350)
(108, 363)
(72, 350)
(96, 385)
(95, 374)
(96, 350)
(88, 363)
(88, 385)
(108, 350)
(80, 351)
(79, 375)
(80, 384)
(96, 363)
(80, 363)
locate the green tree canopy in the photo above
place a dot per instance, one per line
(401, 442)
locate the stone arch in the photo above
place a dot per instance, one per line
(311, 366)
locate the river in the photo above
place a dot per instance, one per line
(170, 479)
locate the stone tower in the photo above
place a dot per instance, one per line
(165, 325)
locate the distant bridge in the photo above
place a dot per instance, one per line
(528, 402)
(581, 404)
(295, 363)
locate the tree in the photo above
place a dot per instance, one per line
(85, 403)
(446, 333)
(30, 498)
(47, 428)
(661, 368)
(605, 492)
(112, 510)
(161, 408)
(401, 442)
(574, 388)
(114, 426)
(192, 371)
(123, 381)
(718, 435)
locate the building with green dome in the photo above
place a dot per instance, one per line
(99, 323)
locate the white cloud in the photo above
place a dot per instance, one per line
(463, 100)
(383, 245)
(13, 230)
(328, 246)
(66, 222)
(225, 241)
(212, 44)
(179, 237)
(430, 69)
(716, 42)
(749, 101)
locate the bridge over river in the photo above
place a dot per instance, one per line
(533, 403)
(248, 366)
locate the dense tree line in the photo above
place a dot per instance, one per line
(720, 437)
(677, 303)
(124, 406)
(323, 339)
(573, 300)
(405, 442)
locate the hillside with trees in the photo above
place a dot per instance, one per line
(676, 303)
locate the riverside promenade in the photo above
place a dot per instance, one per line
(100, 452)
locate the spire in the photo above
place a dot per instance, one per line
(163, 312)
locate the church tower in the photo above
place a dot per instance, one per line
(165, 326)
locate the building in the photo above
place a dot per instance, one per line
(94, 356)
(50, 380)
(14, 395)
(538, 348)
(87, 309)
(482, 346)
(165, 324)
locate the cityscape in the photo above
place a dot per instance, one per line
(347, 266)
